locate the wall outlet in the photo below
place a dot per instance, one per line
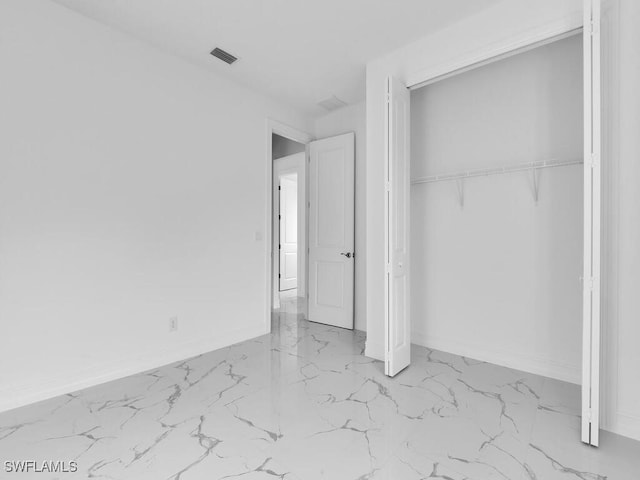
(173, 324)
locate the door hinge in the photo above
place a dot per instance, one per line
(279, 187)
(593, 160)
(279, 217)
(279, 246)
(279, 275)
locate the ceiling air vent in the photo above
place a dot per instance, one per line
(332, 103)
(226, 57)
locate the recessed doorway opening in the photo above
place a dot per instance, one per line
(311, 226)
(289, 222)
(397, 197)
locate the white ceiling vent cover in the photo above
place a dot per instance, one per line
(332, 103)
(226, 57)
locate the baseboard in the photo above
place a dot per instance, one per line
(517, 361)
(14, 396)
(625, 425)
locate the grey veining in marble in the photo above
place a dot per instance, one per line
(304, 403)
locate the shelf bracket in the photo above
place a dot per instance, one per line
(535, 180)
(460, 190)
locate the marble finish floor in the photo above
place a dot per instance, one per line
(303, 403)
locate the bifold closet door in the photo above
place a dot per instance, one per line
(397, 190)
(592, 226)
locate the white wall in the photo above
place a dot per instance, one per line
(353, 119)
(498, 280)
(119, 204)
(510, 21)
(621, 205)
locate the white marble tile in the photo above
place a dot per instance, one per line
(303, 403)
(555, 451)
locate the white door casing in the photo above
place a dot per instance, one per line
(331, 230)
(397, 189)
(288, 217)
(592, 226)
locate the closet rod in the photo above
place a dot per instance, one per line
(523, 167)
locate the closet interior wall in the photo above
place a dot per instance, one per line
(497, 260)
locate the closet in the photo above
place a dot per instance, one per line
(492, 209)
(496, 212)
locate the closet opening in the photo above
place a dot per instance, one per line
(497, 277)
(496, 212)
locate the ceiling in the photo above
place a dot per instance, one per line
(299, 52)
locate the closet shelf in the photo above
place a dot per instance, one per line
(523, 167)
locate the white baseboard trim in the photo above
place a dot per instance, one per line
(14, 396)
(517, 361)
(625, 425)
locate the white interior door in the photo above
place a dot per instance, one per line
(331, 230)
(288, 231)
(592, 226)
(397, 317)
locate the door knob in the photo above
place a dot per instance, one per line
(348, 254)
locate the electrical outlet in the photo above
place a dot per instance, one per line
(173, 324)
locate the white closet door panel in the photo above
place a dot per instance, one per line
(592, 226)
(397, 315)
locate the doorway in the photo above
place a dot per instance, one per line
(311, 228)
(289, 222)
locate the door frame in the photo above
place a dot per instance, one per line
(591, 316)
(291, 133)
